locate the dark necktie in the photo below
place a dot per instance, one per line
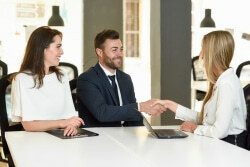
(114, 86)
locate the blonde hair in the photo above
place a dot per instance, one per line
(217, 50)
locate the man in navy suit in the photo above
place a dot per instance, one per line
(105, 95)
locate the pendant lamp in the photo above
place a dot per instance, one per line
(55, 19)
(207, 21)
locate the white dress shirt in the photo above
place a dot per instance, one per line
(108, 73)
(224, 113)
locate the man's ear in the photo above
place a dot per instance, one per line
(99, 52)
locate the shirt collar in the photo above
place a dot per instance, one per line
(107, 72)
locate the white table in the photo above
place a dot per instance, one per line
(124, 147)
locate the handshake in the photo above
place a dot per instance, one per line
(155, 107)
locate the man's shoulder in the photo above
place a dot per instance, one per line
(90, 73)
(122, 74)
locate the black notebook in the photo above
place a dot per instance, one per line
(81, 133)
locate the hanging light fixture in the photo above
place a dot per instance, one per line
(207, 21)
(55, 19)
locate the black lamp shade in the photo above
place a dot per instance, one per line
(55, 19)
(207, 21)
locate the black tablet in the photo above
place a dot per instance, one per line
(81, 133)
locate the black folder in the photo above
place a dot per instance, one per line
(81, 133)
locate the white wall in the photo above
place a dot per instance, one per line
(139, 67)
(228, 15)
(13, 33)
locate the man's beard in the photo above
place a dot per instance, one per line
(110, 62)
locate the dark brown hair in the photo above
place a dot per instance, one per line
(33, 60)
(103, 35)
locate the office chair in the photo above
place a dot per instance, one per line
(3, 69)
(246, 90)
(69, 69)
(6, 125)
(199, 74)
(72, 84)
(243, 68)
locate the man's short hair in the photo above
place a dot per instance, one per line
(103, 35)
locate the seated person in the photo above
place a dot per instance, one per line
(223, 113)
(106, 101)
(40, 93)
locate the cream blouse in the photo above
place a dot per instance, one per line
(53, 101)
(224, 113)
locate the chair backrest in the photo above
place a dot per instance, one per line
(6, 125)
(198, 70)
(3, 69)
(72, 84)
(70, 69)
(247, 98)
(243, 70)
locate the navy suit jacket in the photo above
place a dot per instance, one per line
(97, 104)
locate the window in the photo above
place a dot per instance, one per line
(131, 28)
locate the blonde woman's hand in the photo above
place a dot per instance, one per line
(161, 102)
(151, 109)
(188, 126)
(168, 104)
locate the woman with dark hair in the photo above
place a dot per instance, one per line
(41, 97)
(223, 113)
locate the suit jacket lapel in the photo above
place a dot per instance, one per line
(106, 82)
(120, 83)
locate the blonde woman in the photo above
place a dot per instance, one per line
(223, 113)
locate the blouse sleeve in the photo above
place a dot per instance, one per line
(16, 100)
(185, 114)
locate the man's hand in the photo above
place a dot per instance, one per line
(151, 109)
